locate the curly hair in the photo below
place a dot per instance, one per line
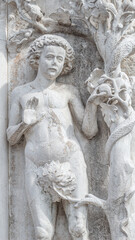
(46, 40)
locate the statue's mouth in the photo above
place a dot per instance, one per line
(53, 69)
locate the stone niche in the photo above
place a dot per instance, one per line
(21, 24)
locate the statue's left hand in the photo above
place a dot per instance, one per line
(97, 97)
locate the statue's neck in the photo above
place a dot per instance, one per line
(43, 82)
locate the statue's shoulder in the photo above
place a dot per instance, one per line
(20, 90)
(67, 87)
(68, 90)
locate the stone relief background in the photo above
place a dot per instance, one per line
(3, 124)
(19, 72)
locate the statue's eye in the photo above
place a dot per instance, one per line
(60, 59)
(49, 57)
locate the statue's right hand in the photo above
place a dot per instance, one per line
(32, 103)
(30, 116)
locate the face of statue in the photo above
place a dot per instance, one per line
(51, 62)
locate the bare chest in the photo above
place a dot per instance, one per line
(45, 99)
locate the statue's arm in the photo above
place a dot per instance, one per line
(89, 125)
(14, 133)
(86, 118)
(76, 107)
(16, 127)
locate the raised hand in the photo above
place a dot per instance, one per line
(32, 103)
(30, 116)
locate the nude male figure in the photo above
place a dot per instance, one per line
(44, 111)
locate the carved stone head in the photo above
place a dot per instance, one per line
(39, 44)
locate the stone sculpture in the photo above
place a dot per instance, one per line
(44, 111)
(120, 118)
(111, 24)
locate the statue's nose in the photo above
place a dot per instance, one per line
(54, 61)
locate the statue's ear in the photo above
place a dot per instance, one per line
(132, 82)
(37, 61)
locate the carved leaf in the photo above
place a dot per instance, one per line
(92, 81)
(111, 8)
(89, 3)
(128, 5)
(109, 113)
(76, 8)
(17, 2)
(59, 174)
(18, 39)
(95, 12)
(127, 18)
(62, 16)
(33, 10)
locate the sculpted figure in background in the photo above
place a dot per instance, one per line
(45, 111)
(113, 95)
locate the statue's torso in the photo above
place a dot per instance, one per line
(53, 137)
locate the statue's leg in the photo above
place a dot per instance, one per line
(43, 210)
(77, 217)
(77, 221)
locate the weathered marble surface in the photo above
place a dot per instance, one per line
(3, 124)
(17, 200)
(87, 59)
(113, 28)
(47, 113)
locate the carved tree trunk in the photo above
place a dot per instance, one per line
(121, 190)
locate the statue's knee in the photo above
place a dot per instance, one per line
(42, 234)
(77, 230)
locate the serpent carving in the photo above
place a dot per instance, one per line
(122, 130)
